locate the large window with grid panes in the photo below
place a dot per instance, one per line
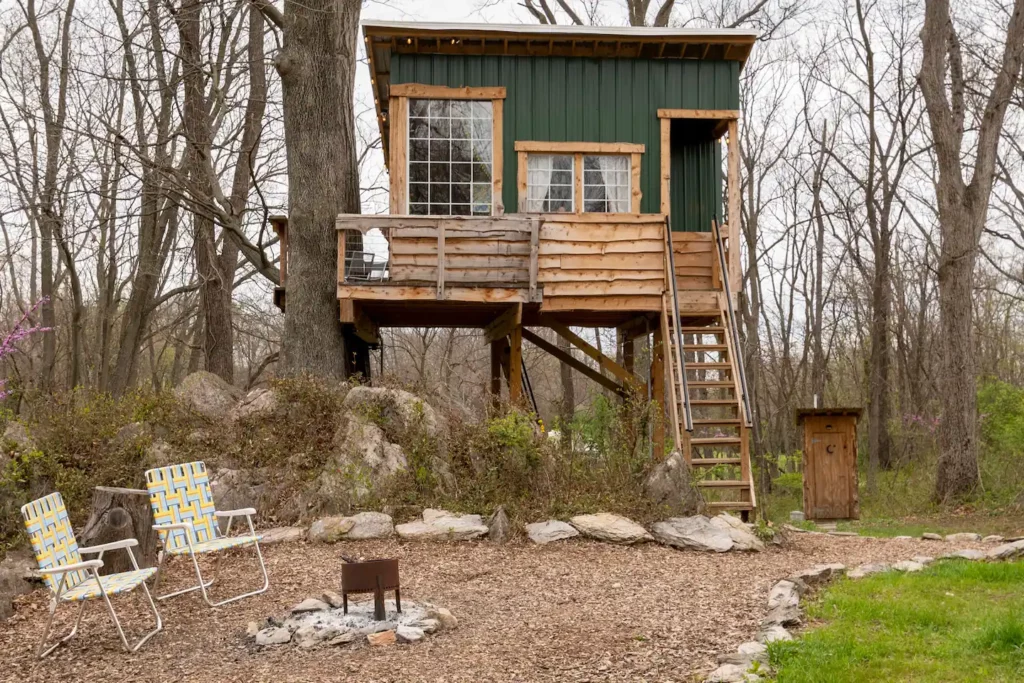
(451, 157)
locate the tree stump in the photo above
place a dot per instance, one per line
(118, 514)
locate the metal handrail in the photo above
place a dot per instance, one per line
(684, 387)
(733, 330)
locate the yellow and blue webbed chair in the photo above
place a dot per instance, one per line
(72, 580)
(187, 522)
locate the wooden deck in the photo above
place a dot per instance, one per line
(462, 271)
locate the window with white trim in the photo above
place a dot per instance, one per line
(606, 183)
(549, 183)
(450, 157)
(558, 179)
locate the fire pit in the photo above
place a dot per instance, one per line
(371, 576)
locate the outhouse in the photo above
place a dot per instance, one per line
(830, 462)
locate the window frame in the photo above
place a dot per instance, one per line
(398, 156)
(578, 150)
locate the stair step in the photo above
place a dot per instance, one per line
(706, 384)
(717, 421)
(716, 441)
(711, 462)
(702, 330)
(714, 402)
(724, 484)
(730, 505)
(706, 366)
(705, 347)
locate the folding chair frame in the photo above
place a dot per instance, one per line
(163, 529)
(93, 566)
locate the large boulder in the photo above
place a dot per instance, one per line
(441, 525)
(669, 485)
(610, 528)
(364, 460)
(234, 490)
(552, 530)
(357, 527)
(208, 395)
(719, 534)
(260, 402)
(15, 571)
(399, 408)
(17, 433)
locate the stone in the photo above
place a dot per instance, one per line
(992, 539)
(728, 673)
(251, 629)
(208, 395)
(160, 453)
(719, 534)
(381, 638)
(773, 633)
(441, 525)
(797, 516)
(343, 638)
(552, 530)
(310, 605)
(922, 559)
(1006, 551)
(282, 534)
(784, 604)
(863, 570)
(233, 489)
(409, 634)
(364, 460)
(308, 636)
(928, 536)
(963, 538)
(819, 573)
(746, 654)
(258, 403)
(17, 433)
(903, 538)
(972, 555)
(14, 581)
(405, 410)
(442, 616)
(329, 529)
(333, 599)
(670, 486)
(604, 526)
(498, 527)
(908, 566)
(845, 534)
(273, 636)
(428, 625)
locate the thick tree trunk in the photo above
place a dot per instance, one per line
(879, 403)
(317, 66)
(118, 514)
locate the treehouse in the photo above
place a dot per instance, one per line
(560, 177)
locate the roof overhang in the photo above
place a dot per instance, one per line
(384, 38)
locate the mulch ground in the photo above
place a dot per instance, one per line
(571, 611)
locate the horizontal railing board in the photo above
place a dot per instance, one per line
(597, 289)
(461, 247)
(464, 260)
(650, 261)
(461, 233)
(570, 275)
(550, 248)
(599, 233)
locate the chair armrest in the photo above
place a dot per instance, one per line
(113, 545)
(173, 525)
(235, 513)
(77, 566)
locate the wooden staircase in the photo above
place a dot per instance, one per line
(711, 422)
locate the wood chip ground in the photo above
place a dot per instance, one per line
(572, 611)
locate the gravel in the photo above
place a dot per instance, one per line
(573, 611)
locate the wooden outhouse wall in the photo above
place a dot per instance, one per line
(564, 99)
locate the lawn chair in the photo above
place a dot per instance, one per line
(188, 524)
(72, 580)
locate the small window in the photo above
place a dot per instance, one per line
(450, 157)
(579, 177)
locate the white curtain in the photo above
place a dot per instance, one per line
(615, 175)
(538, 180)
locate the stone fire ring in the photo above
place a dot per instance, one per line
(321, 622)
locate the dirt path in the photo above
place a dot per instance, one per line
(575, 611)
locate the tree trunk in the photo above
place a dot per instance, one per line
(317, 67)
(118, 514)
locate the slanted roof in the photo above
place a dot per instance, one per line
(384, 38)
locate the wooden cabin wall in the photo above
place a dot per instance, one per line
(565, 99)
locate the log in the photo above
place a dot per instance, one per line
(117, 514)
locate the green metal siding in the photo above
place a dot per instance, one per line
(562, 99)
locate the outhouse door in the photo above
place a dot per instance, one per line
(832, 457)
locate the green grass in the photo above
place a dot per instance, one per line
(956, 621)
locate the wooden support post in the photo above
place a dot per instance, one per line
(658, 394)
(627, 351)
(515, 363)
(733, 157)
(666, 164)
(497, 353)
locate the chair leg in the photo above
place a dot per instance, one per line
(40, 651)
(117, 622)
(266, 581)
(159, 573)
